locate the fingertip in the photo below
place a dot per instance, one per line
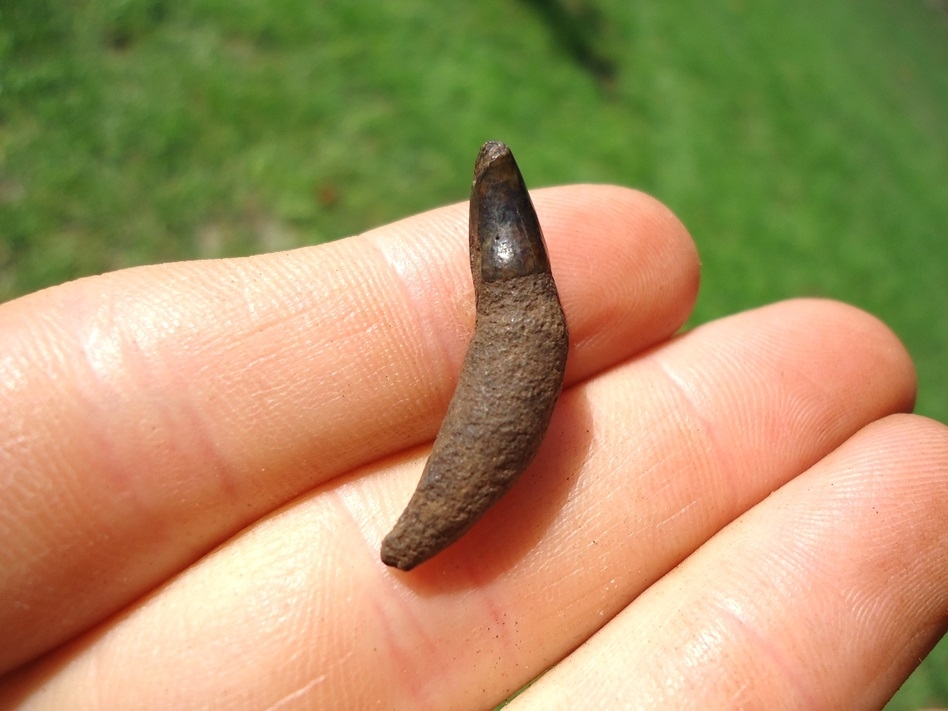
(862, 335)
(626, 268)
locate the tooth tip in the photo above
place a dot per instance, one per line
(490, 153)
(494, 148)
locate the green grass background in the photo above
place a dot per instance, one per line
(804, 144)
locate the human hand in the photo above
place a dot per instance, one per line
(199, 461)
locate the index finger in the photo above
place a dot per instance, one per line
(151, 413)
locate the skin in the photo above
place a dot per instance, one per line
(198, 462)
(511, 377)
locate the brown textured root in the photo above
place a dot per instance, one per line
(511, 377)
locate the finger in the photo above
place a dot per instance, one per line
(823, 596)
(153, 412)
(645, 463)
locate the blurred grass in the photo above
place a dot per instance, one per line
(803, 144)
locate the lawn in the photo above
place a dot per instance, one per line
(804, 144)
